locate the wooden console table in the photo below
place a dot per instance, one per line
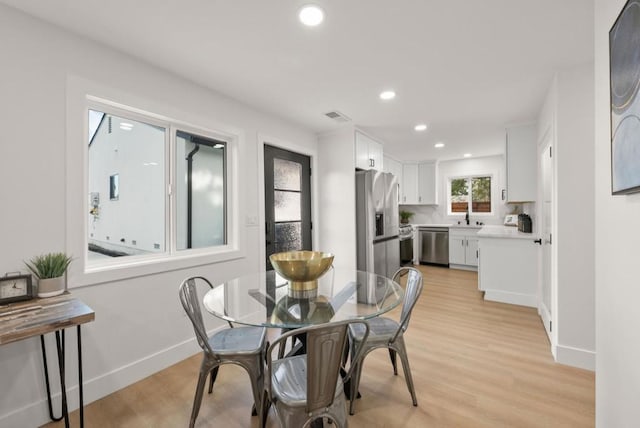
(38, 317)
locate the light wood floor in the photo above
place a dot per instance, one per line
(474, 363)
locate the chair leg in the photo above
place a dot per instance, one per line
(266, 404)
(214, 375)
(256, 374)
(407, 373)
(392, 356)
(197, 400)
(355, 384)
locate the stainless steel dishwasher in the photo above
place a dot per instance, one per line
(434, 245)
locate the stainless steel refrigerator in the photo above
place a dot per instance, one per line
(377, 223)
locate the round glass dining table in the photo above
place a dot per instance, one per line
(266, 299)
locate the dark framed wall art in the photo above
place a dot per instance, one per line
(624, 69)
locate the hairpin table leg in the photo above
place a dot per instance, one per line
(61, 366)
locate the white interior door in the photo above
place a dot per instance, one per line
(546, 304)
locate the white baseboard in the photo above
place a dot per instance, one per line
(512, 298)
(463, 267)
(576, 357)
(36, 413)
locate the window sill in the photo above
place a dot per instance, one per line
(132, 268)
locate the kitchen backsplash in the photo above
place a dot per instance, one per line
(428, 214)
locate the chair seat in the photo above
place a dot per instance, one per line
(289, 381)
(238, 340)
(381, 330)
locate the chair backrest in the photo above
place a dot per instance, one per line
(412, 292)
(188, 293)
(326, 345)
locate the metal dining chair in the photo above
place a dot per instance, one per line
(387, 333)
(306, 387)
(243, 346)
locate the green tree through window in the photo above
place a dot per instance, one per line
(474, 190)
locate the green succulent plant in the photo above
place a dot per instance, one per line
(50, 265)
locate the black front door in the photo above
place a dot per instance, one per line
(287, 197)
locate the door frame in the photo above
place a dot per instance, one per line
(266, 140)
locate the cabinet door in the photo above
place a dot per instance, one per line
(376, 156)
(395, 168)
(410, 184)
(362, 152)
(427, 183)
(521, 163)
(457, 250)
(471, 251)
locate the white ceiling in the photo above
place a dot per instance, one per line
(466, 68)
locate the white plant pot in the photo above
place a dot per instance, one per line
(50, 287)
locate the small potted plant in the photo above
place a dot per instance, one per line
(50, 269)
(405, 216)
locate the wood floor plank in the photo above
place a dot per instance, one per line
(474, 363)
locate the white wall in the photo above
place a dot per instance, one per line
(140, 327)
(575, 218)
(565, 120)
(337, 196)
(494, 165)
(616, 269)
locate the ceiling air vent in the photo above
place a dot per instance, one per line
(337, 116)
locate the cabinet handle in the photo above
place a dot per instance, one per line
(538, 241)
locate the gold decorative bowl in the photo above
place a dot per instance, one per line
(302, 268)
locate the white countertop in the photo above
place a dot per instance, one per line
(416, 225)
(512, 232)
(466, 226)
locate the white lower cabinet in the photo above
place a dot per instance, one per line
(463, 248)
(508, 270)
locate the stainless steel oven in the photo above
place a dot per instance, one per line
(406, 244)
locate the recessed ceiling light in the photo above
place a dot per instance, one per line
(420, 127)
(467, 155)
(387, 95)
(311, 15)
(438, 145)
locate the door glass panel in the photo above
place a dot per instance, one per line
(287, 206)
(286, 175)
(288, 236)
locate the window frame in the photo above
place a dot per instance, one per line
(82, 96)
(470, 177)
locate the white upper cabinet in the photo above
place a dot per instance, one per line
(521, 163)
(409, 184)
(427, 188)
(368, 153)
(395, 168)
(419, 184)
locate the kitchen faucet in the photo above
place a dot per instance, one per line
(466, 217)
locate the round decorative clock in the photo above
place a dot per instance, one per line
(14, 288)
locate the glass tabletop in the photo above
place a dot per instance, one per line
(265, 299)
